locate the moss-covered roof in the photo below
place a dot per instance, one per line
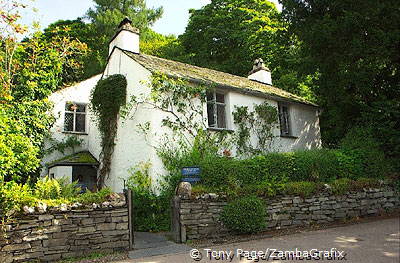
(76, 158)
(209, 76)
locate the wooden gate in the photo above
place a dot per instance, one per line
(129, 202)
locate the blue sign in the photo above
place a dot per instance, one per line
(191, 174)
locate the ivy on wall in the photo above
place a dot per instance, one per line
(184, 104)
(71, 142)
(261, 122)
(107, 98)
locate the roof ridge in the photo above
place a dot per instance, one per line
(252, 85)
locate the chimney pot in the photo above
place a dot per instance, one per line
(126, 37)
(260, 72)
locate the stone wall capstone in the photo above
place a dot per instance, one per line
(200, 216)
(57, 235)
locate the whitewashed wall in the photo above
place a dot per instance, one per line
(79, 93)
(132, 147)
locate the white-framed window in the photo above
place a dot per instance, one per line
(216, 110)
(75, 117)
(284, 119)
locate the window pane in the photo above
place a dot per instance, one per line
(210, 96)
(69, 106)
(221, 116)
(80, 123)
(210, 115)
(220, 97)
(69, 122)
(284, 120)
(81, 108)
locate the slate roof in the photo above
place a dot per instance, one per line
(80, 158)
(209, 76)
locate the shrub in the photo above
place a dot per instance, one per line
(362, 146)
(315, 165)
(341, 186)
(14, 196)
(363, 182)
(68, 190)
(152, 210)
(245, 215)
(303, 189)
(93, 197)
(47, 188)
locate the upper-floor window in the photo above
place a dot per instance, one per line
(284, 119)
(75, 117)
(216, 112)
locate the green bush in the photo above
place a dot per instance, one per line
(152, 210)
(341, 186)
(93, 197)
(303, 189)
(363, 182)
(363, 147)
(315, 165)
(245, 215)
(47, 188)
(14, 196)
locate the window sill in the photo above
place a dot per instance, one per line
(75, 133)
(289, 136)
(219, 129)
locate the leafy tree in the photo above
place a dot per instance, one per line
(228, 35)
(354, 48)
(168, 47)
(105, 17)
(46, 64)
(29, 71)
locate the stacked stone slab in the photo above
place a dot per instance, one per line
(200, 216)
(57, 235)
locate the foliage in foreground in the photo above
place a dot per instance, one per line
(152, 204)
(245, 215)
(50, 192)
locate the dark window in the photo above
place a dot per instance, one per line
(75, 117)
(284, 120)
(216, 110)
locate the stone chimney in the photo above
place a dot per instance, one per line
(260, 72)
(126, 37)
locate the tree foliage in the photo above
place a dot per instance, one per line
(230, 35)
(354, 47)
(105, 17)
(30, 70)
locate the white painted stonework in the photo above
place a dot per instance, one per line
(127, 41)
(131, 145)
(261, 76)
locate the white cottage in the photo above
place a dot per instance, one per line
(299, 122)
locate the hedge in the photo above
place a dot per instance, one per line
(321, 165)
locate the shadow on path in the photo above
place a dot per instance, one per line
(155, 244)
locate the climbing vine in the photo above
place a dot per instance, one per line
(71, 142)
(260, 122)
(107, 98)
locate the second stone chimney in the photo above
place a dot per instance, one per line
(260, 72)
(126, 37)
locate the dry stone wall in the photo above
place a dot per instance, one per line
(57, 235)
(199, 217)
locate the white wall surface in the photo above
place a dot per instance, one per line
(126, 40)
(133, 147)
(62, 172)
(79, 93)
